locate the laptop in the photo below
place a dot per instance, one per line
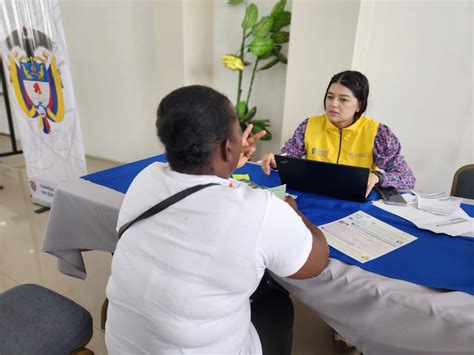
(328, 179)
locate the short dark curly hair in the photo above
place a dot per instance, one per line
(189, 121)
(357, 83)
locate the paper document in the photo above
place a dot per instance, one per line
(457, 223)
(438, 202)
(363, 237)
(279, 191)
(240, 177)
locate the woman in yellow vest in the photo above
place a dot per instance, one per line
(344, 135)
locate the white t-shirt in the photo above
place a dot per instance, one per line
(181, 280)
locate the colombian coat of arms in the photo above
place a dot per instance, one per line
(35, 77)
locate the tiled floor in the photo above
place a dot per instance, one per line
(21, 261)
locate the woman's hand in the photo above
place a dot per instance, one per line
(248, 144)
(268, 162)
(373, 179)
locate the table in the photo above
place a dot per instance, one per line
(380, 315)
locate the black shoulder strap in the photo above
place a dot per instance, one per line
(164, 204)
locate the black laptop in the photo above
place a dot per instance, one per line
(328, 179)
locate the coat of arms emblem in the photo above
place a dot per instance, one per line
(35, 77)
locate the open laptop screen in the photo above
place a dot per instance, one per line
(334, 180)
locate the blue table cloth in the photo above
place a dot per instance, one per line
(433, 260)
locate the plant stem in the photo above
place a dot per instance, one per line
(253, 77)
(241, 72)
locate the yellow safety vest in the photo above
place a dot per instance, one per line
(353, 145)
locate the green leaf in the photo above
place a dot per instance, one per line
(281, 20)
(241, 109)
(234, 2)
(260, 125)
(261, 46)
(281, 37)
(276, 49)
(265, 123)
(269, 64)
(282, 58)
(266, 56)
(279, 7)
(251, 16)
(263, 27)
(267, 137)
(249, 115)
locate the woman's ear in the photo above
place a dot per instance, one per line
(227, 150)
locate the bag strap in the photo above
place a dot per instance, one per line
(164, 204)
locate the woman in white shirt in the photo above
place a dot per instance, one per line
(181, 279)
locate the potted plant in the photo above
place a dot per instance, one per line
(260, 49)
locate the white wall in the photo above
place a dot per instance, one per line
(124, 57)
(198, 34)
(3, 117)
(4, 129)
(419, 62)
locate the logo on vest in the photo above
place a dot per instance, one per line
(352, 155)
(320, 152)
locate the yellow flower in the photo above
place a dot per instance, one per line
(232, 62)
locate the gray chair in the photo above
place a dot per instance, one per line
(36, 320)
(463, 182)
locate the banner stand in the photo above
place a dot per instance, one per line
(11, 128)
(42, 209)
(38, 83)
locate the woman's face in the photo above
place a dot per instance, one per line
(341, 105)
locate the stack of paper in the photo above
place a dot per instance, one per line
(438, 203)
(457, 223)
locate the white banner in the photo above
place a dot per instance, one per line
(39, 84)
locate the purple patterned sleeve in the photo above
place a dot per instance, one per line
(294, 147)
(388, 158)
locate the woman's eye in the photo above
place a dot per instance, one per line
(344, 100)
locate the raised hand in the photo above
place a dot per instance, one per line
(248, 144)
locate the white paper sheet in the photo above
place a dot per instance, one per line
(457, 223)
(438, 203)
(363, 237)
(279, 191)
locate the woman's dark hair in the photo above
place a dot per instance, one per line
(357, 83)
(189, 121)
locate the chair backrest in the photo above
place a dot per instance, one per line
(463, 182)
